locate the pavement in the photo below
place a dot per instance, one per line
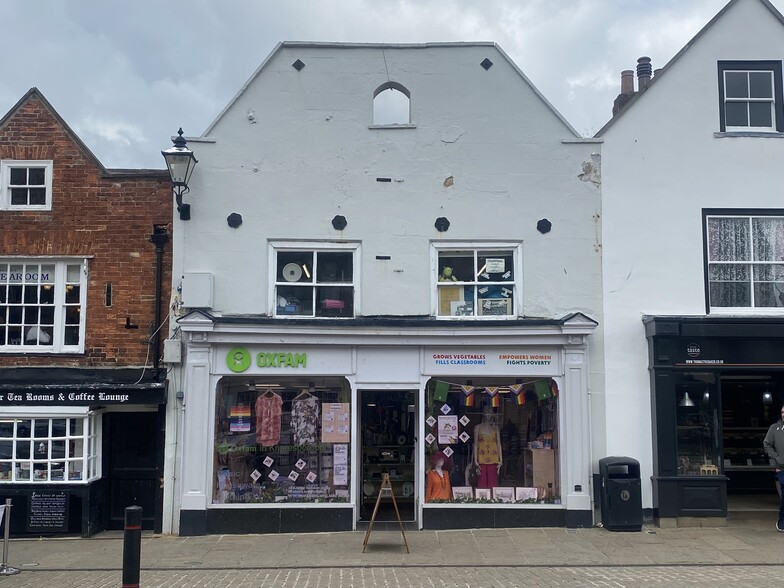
(744, 553)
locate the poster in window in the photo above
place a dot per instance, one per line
(495, 306)
(447, 430)
(335, 422)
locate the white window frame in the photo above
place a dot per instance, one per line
(515, 247)
(749, 100)
(60, 282)
(90, 460)
(7, 165)
(750, 263)
(312, 247)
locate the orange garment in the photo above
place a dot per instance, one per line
(487, 449)
(438, 487)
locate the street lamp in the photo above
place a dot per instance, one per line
(180, 161)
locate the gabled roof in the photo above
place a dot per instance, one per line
(638, 96)
(301, 44)
(114, 173)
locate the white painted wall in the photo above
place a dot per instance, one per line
(661, 166)
(309, 155)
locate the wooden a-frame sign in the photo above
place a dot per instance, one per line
(386, 487)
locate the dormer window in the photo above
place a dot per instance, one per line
(391, 105)
(26, 185)
(751, 96)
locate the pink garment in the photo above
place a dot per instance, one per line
(269, 407)
(488, 475)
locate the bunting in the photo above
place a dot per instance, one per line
(554, 387)
(517, 391)
(441, 391)
(542, 388)
(468, 396)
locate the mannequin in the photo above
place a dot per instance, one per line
(438, 485)
(487, 450)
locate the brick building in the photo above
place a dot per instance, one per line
(84, 261)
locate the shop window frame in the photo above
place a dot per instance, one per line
(741, 213)
(90, 438)
(6, 169)
(52, 334)
(515, 248)
(277, 310)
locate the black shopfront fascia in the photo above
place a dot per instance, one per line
(88, 508)
(679, 345)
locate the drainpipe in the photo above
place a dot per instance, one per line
(159, 237)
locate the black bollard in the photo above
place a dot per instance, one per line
(132, 547)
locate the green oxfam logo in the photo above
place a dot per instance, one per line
(238, 359)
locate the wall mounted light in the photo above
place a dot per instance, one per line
(180, 161)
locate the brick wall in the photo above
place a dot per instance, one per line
(108, 217)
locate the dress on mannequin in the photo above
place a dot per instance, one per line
(487, 450)
(438, 486)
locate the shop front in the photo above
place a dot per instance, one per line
(717, 385)
(303, 423)
(74, 454)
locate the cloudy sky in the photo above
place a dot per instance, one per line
(125, 75)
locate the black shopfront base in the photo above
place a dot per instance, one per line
(690, 496)
(497, 518)
(265, 520)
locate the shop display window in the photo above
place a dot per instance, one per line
(697, 424)
(49, 450)
(492, 441)
(282, 441)
(476, 283)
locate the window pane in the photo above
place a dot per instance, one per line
(495, 266)
(76, 427)
(761, 84)
(40, 449)
(76, 448)
(40, 472)
(22, 449)
(335, 301)
(6, 449)
(71, 336)
(22, 471)
(72, 315)
(58, 449)
(23, 428)
(75, 470)
(72, 294)
(728, 239)
(41, 428)
(7, 428)
(456, 266)
(728, 294)
(736, 84)
(335, 267)
(455, 300)
(492, 305)
(19, 196)
(294, 300)
(736, 114)
(36, 176)
(58, 427)
(18, 176)
(295, 266)
(761, 114)
(768, 237)
(37, 196)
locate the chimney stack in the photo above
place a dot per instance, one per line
(627, 91)
(644, 71)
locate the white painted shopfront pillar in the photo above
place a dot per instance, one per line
(577, 426)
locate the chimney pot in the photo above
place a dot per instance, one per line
(644, 71)
(627, 81)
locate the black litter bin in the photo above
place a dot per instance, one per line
(621, 493)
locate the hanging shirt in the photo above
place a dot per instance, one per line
(304, 420)
(487, 448)
(269, 407)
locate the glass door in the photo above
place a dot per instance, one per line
(387, 421)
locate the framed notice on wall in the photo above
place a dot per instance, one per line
(335, 424)
(47, 512)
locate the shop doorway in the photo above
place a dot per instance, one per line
(387, 421)
(750, 404)
(133, 466)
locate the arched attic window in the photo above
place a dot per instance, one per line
(391, 105)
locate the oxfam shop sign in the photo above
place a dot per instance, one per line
(239, 359)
